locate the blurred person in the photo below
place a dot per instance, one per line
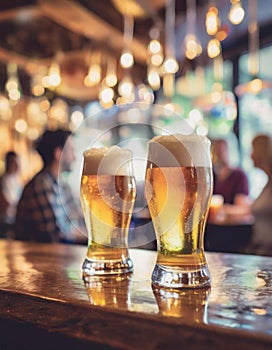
(230, 182)
(10, 190)
(261, 208)
(47, 211)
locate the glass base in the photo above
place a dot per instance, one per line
(172, 277)
(106, 267)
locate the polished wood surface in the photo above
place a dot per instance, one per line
(43, 299)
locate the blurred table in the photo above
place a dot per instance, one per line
(45, 304)
(229, 232)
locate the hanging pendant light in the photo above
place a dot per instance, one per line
(155, 59)
(213, 48)
(127, 59)
(192, 45)
(13, 86)
(93, 77)
(236, 13)
(212, 21)
(256, 85)
(111, 77)
(54, 74)
(170, 64)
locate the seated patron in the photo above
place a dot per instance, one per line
(10, 190)
(43, 214)
(230, 182)
(261, 208)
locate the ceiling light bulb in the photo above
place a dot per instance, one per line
(111, 79)
(20, 125)
(54, 78)
(193, 47)
(236, 13)
(12, 84)
(106, 94)
(171, 65)
(213, 48)
(212, 21)
(125, 87)
(156, 59)
(94, 75)
(14, 95)
(154, 79)
(154, 46)
(126, 59)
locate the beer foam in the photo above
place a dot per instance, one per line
(107, 161)
(179, 149)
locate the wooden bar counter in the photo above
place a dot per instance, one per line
(45, 304)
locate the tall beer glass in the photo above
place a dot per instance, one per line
(178, 190)
(107, 196)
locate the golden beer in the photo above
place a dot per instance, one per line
(178, 190)
(107, 198)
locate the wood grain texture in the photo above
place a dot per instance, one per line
(44, 300)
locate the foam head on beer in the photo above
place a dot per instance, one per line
(107, 161)
(180, 150)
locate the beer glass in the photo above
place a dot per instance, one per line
(107, 195)
(178, 190)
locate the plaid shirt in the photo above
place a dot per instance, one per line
(47, 211)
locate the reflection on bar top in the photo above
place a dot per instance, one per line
(239, 298)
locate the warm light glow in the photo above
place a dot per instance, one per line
(256, 86)
(145, 94)
(130, 7)
(192, 47)
(54, 78)
(106, 94)
(5, 110)
(222, 33)
(154, 79)
(77, 118)
(217, 87)
(170, 65)
(37, 90)
(94, 75)
(212, 21)
(215, 97)
(236, 13)
(111, 79)
(20, 125)
(156, 60)
(106, 105)
(213, 48)
(125, 99)
(126, 59)
(12, 84)
(125, 87)
(168, 85)
(154, 47)
(44, 105)
(14, 94)
(59, 111)
(33, 134)
(45, 81)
